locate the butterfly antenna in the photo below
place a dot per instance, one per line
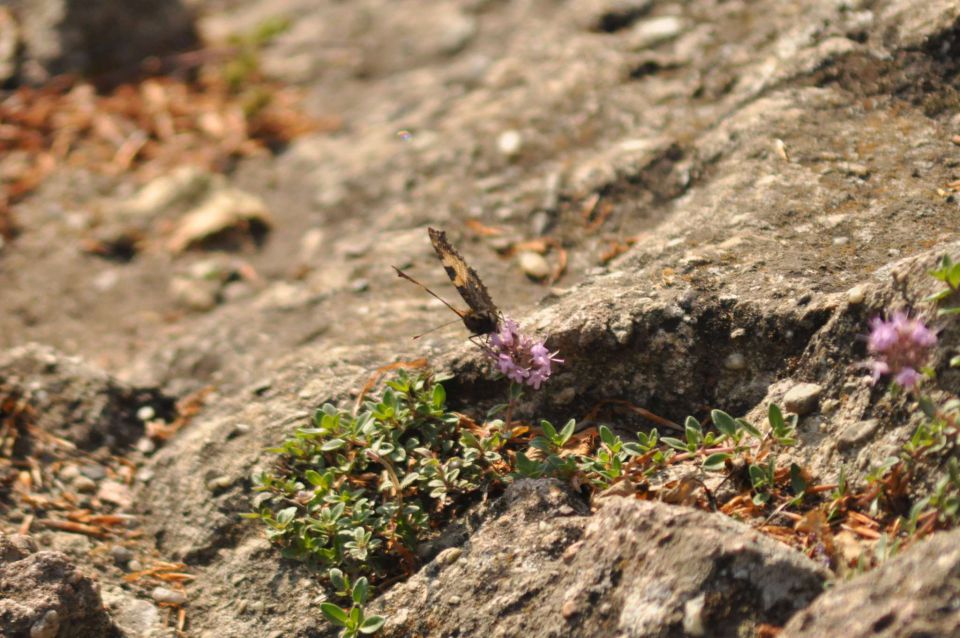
(442, 325)
(433, 294)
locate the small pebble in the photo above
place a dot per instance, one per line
(693, 620)
(145, 445)
(829, 406)
(219, 483)
(449, 556)
(164, 595)
(116, 493)
(121, 555)
(510, 143)
(569, 609)
(533, 264)
(857, 433)
(69, 473)
(803, 398)
(856, 295)
(841, 241)
(735, 361)
(94, 471)
(135, 565)
(84, 485)
(46, 627)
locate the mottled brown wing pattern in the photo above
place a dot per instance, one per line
(483, 316)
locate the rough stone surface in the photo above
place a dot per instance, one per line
(633, 569)
(70, 36)
(802, 399)
(75, 400)
(914, 594)
(43, 595)
(737, 188)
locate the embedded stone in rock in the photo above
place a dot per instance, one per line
(654, 568)
(43, 595)
(79, 36)
(802, 399)
(914, 594)
(857, 433)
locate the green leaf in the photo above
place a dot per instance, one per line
(676, 444)
(748, 427)
(928, 407)
(332, 444)
(439, 396)
(938, 296)
(548, 430)
(945, 312)
(568, 429)
(286, 515)
(337, 579)
(724, 422)
(775, 416)
(607, 436)
(334, 614)
(372, 624)
(758, 477)
(315, 478)
(715, 462)
(953, 276)
(797, 483)
(355, 615)
(360, 590)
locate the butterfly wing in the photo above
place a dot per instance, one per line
(483, 315)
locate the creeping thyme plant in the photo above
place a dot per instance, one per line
(356, 493)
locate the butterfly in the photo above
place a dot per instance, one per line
(483, 316)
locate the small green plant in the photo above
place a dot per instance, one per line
(353, 619)
(358, 492)
(947, 272)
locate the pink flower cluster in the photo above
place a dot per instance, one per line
(519, 357)
(900, 346)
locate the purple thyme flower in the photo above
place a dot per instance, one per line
(518, 357)
(900, 346)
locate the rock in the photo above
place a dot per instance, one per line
(856, 295)
(912, 594)
(42, 595)
(802, 399)
(9, 43)
(164, 595)
(533, 265)
(640, 569)
(735, 361)
(650, 33)
(116, 493)
(72, 36)
(199, 295)
(134, 616)
(14, 547)
(121, 555)
(857, 434)
(182, 186)
(77, 401)
(84, 485)
(228, 217)
(510, 143)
